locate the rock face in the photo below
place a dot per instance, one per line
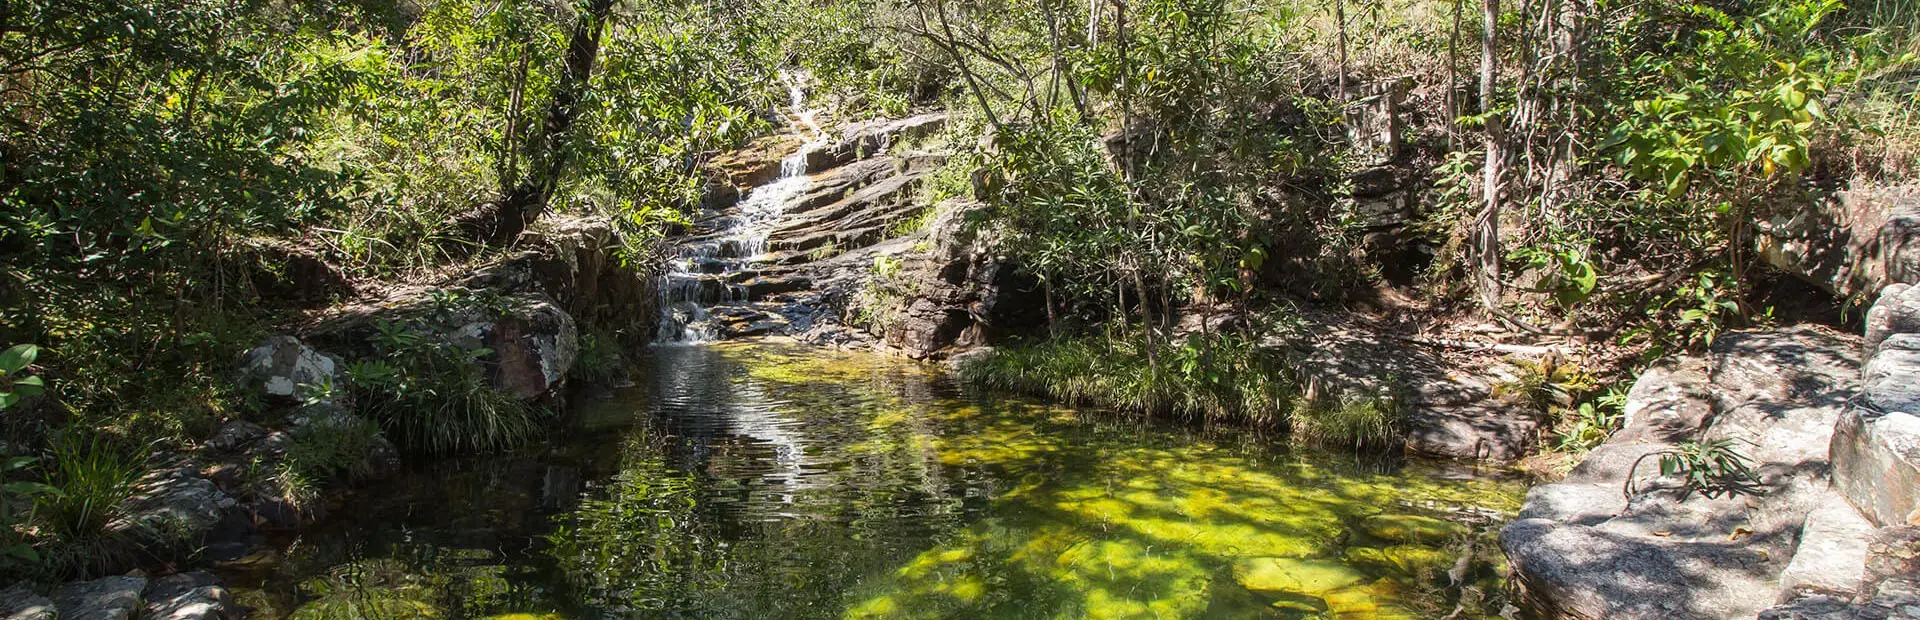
(578, 262)
(855, 257)
(1853, 244)
(1876, 448)
(189, 596)
(956, 295)
(1584, 548)
(1448, 407)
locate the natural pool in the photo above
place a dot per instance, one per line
(770, 480)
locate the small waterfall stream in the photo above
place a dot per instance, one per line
(701, 274)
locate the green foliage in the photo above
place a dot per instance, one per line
(1357, 424)
(1588, 425)
(431, 395)
(601, 359)
(15, 383)
(1712, 467)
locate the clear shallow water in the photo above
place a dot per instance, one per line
(780, 481)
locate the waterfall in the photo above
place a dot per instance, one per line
(700, 275)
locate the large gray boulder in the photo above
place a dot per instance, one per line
(1852, 244)
(1586, 548)
(1876, 446)
(172, 511)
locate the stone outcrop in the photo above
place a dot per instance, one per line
(531, 343)
(1449, 407)
(856, 258)
(1617, 540)
(106, 598)
(955, 295)
(1852, 244)
(1876, 448)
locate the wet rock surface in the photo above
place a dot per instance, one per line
(1617, 540)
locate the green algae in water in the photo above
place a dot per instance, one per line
(762, 480)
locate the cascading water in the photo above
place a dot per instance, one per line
(700, 276)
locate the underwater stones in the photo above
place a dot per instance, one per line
(1310, 577)
(1411, 528)
(279, 366)
(106, 598)
(1408, 560)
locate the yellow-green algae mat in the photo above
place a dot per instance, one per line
(1192, 530)
(1091, 514)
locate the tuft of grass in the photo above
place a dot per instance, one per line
(1359, 424)
(90, 477)
(1222, 377)
(431, 396)
(1227, 378)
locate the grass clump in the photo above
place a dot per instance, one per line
(1223, 378)
(1216, 377)
(433, 397)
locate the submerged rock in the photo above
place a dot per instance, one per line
(1412, 529)
(1406, 560)
(1309, 577)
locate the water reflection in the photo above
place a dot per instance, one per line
(762, 480)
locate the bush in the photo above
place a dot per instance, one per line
(89, 477)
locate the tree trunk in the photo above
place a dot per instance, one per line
(1487, 225)
(1340, 19)
(547, 153)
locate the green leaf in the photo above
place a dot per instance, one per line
(17, 358)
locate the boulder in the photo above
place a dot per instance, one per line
(1876, 464)
(19, 602)
(107, 598)
(280, 367)
(958, 294)
(1584, 548)
(172, 511)
(579, 262)
(1576, 571)
(197, 595)
(1895, 311)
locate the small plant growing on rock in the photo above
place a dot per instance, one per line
(1711, 467)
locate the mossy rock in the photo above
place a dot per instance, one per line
(1310, 577)
(1406, 560)
(1411, 529)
